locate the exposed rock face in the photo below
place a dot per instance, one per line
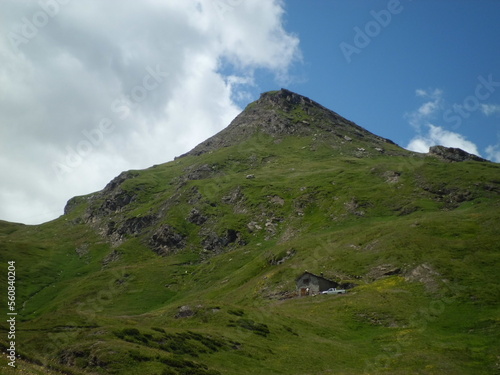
(277, 200)
(199, 172)
(196, 217)
(111, 257)
(275, 116)
(136, 225)
(216, 243)
(281, 113)
(184, 312)
(70, 205)
(453, 154)
(116, 198)
(382, 271)
(116, 202)
(426, 275)
(112, 199)
(276, 260)
(166, 240)
(106, 211)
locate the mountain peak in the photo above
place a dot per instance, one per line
(284, 113)
(286, 98)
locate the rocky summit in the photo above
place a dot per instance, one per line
(283, 113)
(216, 262)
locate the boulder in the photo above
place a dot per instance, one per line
(454, 154)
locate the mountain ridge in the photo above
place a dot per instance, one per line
(263, 115)
(284, 113)
(190, 267)
(276, 117)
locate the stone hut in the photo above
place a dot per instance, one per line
(310, 284)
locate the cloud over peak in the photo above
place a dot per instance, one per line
(93, 88)
(436, 135)
(424, 120)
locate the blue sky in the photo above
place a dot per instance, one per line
(440, 47)
(91, 88)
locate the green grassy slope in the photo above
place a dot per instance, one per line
(418, 236)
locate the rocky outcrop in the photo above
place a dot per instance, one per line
(282, 113)
(194, 189)
(111, 257)
(453, 154)
(116, 202)
(166, 240)
(111, 200)
(381, 271)
(215, 243)
(184, 312)
(196, 217)
(136, 225)
(426, 275)
(200, 172)
(276, 260)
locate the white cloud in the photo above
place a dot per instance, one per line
(436, 135)
(430, 93)
(427, 110)
(420, 92)
(428, 134)
(493, 153)
(420, 144)
(163, 76)
(490, 109)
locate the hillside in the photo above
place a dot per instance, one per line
(189, 267)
